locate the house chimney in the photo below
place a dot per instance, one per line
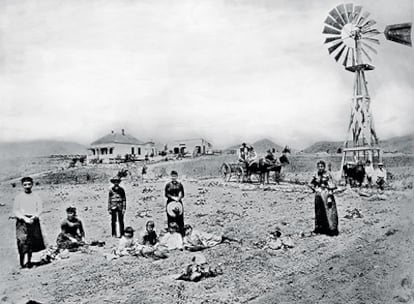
(123, 132)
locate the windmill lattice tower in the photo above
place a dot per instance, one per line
(350, 39)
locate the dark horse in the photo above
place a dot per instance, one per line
(263, 167)
(354, 174)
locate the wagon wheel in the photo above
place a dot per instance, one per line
(225, 171)
(240, 174)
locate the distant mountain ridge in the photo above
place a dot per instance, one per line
(40, 148)
(402, 144)
(260, 146)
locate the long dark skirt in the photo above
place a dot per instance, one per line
(29, 237)
(326, 215)
(179, 220)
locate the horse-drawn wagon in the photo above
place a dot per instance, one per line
(237, 170)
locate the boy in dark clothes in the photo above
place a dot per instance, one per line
(117, 206)
(149, 237)
(72, 235)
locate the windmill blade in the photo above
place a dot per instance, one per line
(334, 14)
(366, 54)
(400, 33)
(370, 32)
(363, 17)
(373, 40)
(329, 30)
(357, 12)
(369, 47)
(337, 56)
(334, 47)
(346, 59)
(342, 12)
(330, 21)
(330, 39)
(368, 24)
(349, 7)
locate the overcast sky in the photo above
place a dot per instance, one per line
(226, 70)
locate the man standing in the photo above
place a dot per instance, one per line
(242, 153)
(369, 172)
(174, 192)
(117, 206)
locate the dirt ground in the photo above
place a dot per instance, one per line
(369, 262)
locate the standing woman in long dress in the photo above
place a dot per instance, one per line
(174, 192)
(27, 209)
(326, 214)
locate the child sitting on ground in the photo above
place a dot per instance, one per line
(72, 235)
(171, 240)
(149, 237)
(127, 244)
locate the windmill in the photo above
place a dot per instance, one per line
(351, 38)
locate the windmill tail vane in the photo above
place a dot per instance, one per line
(400, 33)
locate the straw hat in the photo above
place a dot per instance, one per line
(175, 209)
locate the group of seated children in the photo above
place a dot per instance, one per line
(150, 245)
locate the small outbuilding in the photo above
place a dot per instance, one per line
(119, 146)
(194, 147)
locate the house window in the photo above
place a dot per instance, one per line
(139, 151)
(111, 150)
(132, 150)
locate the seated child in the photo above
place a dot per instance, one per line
(149, 237)
(127, 244)
(72, 235)
(195, 240)
(171, 240)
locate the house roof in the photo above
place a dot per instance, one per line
(118, 138)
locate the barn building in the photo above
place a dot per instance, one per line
(197, 146)
(120, 146)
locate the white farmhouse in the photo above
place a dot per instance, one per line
(119, 146)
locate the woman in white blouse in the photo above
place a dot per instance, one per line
(27, 209)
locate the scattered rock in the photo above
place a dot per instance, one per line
(391, 232)
(2, 204)
(355, 213)
(144, 213)
(406, 283)
(402, 299)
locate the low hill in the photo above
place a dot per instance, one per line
(260, 146)
(402, 144)
(324, 146)
(39, 148)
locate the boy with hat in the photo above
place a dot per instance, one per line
(381, 174)
(117, 206)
